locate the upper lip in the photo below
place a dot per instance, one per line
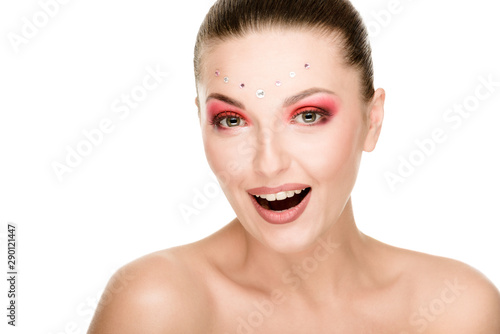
(278, 189)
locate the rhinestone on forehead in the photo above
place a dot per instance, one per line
(261, 93)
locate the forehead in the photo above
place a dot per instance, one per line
(278, 62)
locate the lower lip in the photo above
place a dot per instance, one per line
(283, 217)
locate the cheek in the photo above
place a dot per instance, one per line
(332, 154)
(228, 158)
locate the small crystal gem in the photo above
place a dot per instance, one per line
(278, 83)
(242, 85)
(292, 74)
(226, 79)
(217, 73)
(260, 93)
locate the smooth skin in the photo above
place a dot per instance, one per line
(318, 274)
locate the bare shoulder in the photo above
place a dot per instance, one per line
(159, 293)
(473, 300)
(450, 296)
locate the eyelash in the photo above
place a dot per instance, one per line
(218, 118)
(322, 113)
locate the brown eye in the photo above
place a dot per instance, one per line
(309, 117)
(233, 121)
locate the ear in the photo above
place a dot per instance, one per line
(197, 102)
(375, 120)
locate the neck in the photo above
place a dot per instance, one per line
(334, 260)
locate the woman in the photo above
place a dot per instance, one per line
(287, 107)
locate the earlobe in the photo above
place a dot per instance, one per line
(197, 102)
(375, 120)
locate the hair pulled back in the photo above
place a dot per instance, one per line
(234, 18)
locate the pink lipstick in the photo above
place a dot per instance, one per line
(281, 205)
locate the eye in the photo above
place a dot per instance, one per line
(231, 122)
(228, 119)
(309, 117)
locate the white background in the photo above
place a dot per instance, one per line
(123, 201)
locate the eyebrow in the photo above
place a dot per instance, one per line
(302, 95)
(288, 101)
(225, 99)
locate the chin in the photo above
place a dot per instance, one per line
(294, 237)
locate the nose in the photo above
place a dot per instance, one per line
(271, 155)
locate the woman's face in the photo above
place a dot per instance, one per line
(307, 133)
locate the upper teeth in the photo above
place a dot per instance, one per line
(281, 195)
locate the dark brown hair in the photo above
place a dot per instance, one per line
(234, 18)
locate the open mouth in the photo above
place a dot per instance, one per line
(282, 201)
